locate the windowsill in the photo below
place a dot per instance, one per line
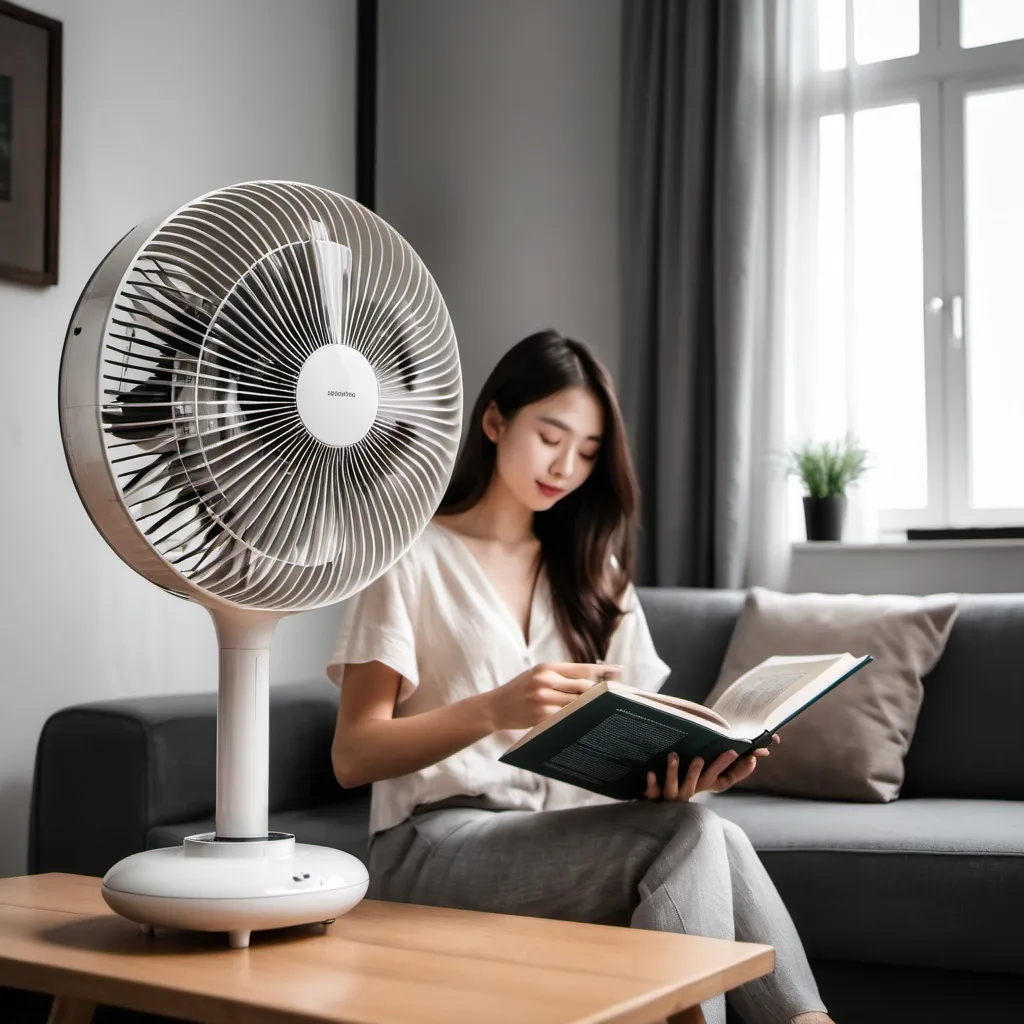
(891, 564)
(901, 545)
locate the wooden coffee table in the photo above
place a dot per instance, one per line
(383, 963)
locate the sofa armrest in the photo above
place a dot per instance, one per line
(108, 772)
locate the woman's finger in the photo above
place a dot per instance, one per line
(737, 773)
(564, 684)
(688, 788)
(672, 777)
(551, 700)
(576, 670)
(652, 792)
(713, 770)
(762, 752)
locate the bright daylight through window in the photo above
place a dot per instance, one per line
(918, 345)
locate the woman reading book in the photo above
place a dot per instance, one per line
(514, 600)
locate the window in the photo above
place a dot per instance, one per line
(917, 348)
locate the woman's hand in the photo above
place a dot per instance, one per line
(523, 702)
(725, 771)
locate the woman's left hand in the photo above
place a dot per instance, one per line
(725, 771)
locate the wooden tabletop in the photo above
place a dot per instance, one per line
(382, 963)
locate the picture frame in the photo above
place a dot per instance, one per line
(31, 52)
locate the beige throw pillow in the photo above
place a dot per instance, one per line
(850, 745)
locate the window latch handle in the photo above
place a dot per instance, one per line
(956, 325)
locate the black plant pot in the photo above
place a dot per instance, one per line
(824, 517)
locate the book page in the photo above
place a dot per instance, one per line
(676, 703)
(749, 701)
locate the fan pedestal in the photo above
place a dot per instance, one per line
(207, 884)
(240, 878)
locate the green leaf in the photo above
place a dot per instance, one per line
(828, 468)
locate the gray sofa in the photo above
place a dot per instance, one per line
(909, 911)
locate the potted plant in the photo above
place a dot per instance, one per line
(826, 470)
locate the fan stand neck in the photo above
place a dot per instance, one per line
(243, 722)
(260, 879)
(244, 630)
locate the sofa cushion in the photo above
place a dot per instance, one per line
(922, 882)
(967, 734)
(851, 744)
(344, 824)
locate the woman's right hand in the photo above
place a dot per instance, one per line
(523, 702)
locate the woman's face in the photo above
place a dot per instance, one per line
(547, 449)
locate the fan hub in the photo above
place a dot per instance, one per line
(337, 395)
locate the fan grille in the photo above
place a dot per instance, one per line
(209, 332)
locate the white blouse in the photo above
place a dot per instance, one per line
(437, 619)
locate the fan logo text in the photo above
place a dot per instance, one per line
(342, 394)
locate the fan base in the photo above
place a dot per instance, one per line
(235, 886)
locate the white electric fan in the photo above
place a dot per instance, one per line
(261, 403)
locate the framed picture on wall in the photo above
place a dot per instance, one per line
(30, 94)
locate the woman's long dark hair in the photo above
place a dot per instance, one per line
(588, 537)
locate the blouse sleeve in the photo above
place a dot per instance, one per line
(378, 626)
(631, 647)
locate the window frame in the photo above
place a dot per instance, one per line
(939, 78)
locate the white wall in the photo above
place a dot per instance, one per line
(498, 160)
(162, 102)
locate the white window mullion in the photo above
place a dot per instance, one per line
(930, 21)
(953, 350)
(947, 15)
(850, 59)
(935, 312)
(849, 277)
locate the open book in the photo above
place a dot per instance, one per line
(609, 737)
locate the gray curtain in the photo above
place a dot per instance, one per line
(693, 80)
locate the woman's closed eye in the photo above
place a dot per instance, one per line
(551, 442)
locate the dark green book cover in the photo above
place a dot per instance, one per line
(608, 744)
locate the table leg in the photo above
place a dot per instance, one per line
(694, 1015)
(67, 1010)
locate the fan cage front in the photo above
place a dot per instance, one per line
(180, 410)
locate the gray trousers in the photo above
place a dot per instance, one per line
(660, 865)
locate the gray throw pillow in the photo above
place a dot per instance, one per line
(850, 745)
